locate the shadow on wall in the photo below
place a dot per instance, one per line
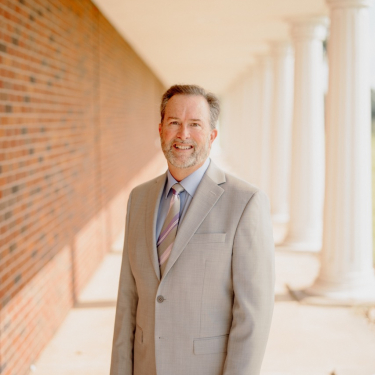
(78, 127)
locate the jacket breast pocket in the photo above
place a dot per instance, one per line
(211, 345)
(207, 238)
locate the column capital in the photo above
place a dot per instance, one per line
(309, 28)
(333, 4)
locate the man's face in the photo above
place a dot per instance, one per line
(186, 135)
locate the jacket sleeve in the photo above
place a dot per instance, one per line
(253, 286)
(127, 300)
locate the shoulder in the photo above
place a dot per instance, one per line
(143, 189)
(237, 189)
(238, 186)
(229, 182)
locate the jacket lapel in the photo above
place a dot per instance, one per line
(206, 196)
(153, 203)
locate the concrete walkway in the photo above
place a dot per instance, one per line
(304, 340)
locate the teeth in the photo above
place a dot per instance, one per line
(183, 147)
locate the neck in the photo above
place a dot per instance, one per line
(180, 173)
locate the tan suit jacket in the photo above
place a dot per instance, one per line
(211, 312)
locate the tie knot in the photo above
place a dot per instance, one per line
(177, 189)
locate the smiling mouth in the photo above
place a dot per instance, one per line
(183, 147)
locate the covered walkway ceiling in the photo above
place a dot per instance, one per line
(204, 41)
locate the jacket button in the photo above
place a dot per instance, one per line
(160, 299)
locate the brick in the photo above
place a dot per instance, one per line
(78, 120)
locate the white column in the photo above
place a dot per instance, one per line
(307, 164)
(253, 116)
(265, 93)
(281, 136)
(346, 265)
(238, 106)
(243, 147)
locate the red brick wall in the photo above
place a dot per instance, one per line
(78, 122)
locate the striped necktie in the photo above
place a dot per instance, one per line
(169, 230)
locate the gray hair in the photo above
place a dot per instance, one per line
(212, 100)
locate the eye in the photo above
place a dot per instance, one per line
(174, 122)
(195, 124)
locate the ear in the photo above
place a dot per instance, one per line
(160, 126)
(213, 135)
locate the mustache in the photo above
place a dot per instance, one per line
(179, 141)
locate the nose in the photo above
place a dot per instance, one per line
(183, 132)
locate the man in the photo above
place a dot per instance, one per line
(197, 277)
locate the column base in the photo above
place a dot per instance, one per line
(280, 227)
(338, 294)
(303, 246)
(280, 218)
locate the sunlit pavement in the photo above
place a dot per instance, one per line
(304, 339)
(82, 345)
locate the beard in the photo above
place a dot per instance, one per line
(199, 154)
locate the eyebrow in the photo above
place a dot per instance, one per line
(177, 118)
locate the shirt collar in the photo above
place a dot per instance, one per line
(191, 182)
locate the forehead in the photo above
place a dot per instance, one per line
(191, 106)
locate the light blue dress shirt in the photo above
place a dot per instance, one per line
(190, 184)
